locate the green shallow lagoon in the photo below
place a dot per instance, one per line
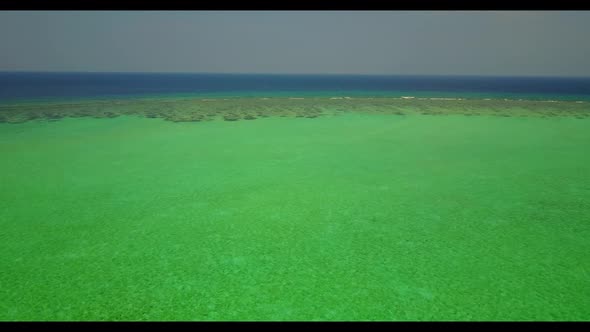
(350, 217)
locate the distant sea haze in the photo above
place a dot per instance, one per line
(15, 86)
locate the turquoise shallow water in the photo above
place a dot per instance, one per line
(304, 94)
(350, 217)
(23, 86)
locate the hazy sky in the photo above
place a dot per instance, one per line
(365, 42)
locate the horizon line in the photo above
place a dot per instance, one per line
(287, 74)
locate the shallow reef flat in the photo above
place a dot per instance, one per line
(356, 217)
(236, 109)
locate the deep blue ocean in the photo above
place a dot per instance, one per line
(25, 86)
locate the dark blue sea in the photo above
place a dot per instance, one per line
(20, 86)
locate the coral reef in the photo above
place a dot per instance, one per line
(236, 109)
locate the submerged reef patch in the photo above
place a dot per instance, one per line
(236, 109)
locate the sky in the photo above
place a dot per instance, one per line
(513, 43)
